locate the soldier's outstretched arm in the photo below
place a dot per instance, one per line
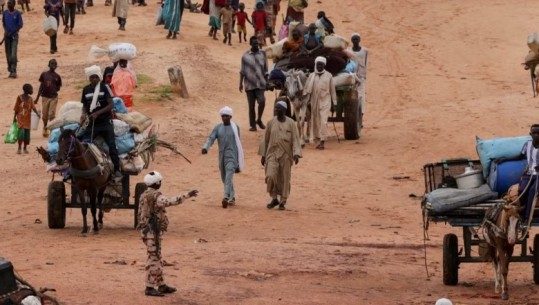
(163, 201)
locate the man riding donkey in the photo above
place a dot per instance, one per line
(96, 115)
(153, 222)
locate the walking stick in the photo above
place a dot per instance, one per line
(533, 83)
(334, 127)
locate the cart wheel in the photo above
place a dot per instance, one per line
(56, 205)
(451, 259)
(535, 261)
(351, 120)
(139, 189)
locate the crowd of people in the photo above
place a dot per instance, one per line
(280, 147)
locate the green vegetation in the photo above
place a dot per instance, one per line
(143, 79)
(159, 93)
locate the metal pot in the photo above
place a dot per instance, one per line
(469, 179)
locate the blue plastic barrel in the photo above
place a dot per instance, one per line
(504, 175)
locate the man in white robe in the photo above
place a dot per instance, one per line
(231, 158)
(360, 57)
(322, 90)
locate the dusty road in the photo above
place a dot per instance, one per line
(440, 73)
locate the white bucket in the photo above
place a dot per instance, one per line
(35, 121)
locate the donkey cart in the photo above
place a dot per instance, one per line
(470, 218)
(116, 197)
(348, 111)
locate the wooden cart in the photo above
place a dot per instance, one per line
(470, 219)
(58, 201)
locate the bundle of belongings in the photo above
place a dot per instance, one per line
(135, 142)
(303, 44)
(493, 181)
(131, 129)
(116, 51)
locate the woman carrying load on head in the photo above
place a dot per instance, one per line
(172, 16)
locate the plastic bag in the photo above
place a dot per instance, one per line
(96, 53)
(122, 50)
(13, 134)
(283, 32)
(50, 26)
(159, 18)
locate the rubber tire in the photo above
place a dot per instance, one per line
(56, 205)
(535, 261)
(139, 189)
(351, 113)
(451, 260)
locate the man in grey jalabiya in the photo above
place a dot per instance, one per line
(231, 158)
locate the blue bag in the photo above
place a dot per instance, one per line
(498, 148)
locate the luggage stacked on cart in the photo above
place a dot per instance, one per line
(130, 130)
(339, 62)
(458, 183)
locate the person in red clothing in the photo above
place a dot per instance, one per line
(241, 17)
(260, 23)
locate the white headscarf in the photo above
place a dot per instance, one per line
(94, 70)
(282, 103)
(225, 111)
(354, 35)
(241, 157)
(320, 59)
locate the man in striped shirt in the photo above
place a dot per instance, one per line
(253, 75)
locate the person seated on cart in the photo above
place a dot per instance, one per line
(312, 41)
(96, 117)
(527, 188)
(293, 44)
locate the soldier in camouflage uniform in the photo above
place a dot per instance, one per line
(153, 222)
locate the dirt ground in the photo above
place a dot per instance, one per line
(440, 73)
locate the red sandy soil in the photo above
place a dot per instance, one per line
(440, 73)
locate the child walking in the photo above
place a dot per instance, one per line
(241, 17)
(260, 23)
(23, 108)
(226, 15)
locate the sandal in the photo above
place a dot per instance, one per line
(232, 202)
(281, 206)
(273, 204)
(224, 203)
(152, 292)
(166, 289)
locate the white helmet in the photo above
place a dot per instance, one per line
(443, 301)
(153, 178)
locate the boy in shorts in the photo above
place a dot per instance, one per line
(241, 17)
(226, 21)
(50, 84)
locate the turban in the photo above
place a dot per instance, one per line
(443, 301)
(152, 178)
(93, 70)
(320, 59)
(356, 34)
(225, 111)
(282, 104)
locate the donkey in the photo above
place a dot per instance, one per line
(500, 230)
(294, 84)
(88, 175)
